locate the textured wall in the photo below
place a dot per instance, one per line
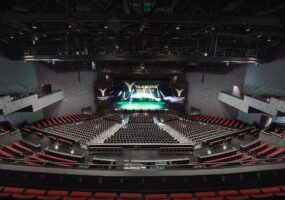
(18, 77)
(204, 95)
(265, 79)
(77, 94)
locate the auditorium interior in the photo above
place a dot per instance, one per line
(142, 99)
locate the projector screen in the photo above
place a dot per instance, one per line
(143, 95)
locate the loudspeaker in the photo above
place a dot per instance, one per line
(46, 89)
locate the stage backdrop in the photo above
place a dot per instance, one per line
(146, 94)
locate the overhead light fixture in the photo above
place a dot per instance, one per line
(209, 151)
(205, 54)
(44, 35)
(21, 33)
(70, 26)
(177, 27)
(269, 39)
(247, 29)
(259, 35)
(72, 151)
(11, 37)
(106, 27)
(213, 28)
(34, 26)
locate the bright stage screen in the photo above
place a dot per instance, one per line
(143, 95)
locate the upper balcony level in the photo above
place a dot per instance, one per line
(248, 104)
(28, 103)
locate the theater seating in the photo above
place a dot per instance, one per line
(167, 117)
(83, 131)
(198, 131)
(115, 117)
(15, 193)
(136, 133)
(141, 118)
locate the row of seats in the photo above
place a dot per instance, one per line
(141, 118)
(115, 117)
(63, 120)
(234, 194)
(219, 121)
(136, 133)
(279, 131)
(167, 117)
(220, 141)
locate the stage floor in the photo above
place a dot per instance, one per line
(141, 105)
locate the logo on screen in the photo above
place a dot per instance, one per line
(130, 85)
(179, 92)
(103, 97)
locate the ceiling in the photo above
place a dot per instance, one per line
(142, 34)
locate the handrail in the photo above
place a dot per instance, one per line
(134, 165)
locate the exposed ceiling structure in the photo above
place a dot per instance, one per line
(142, 34)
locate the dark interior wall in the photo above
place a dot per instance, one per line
(78, 89)
(18, 77)
(203, 91)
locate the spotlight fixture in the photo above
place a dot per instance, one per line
(34, 26)
(247, 29)
(177, 27)
(11, 37)
(106, 27)
(205, 54)
(259, 35)
(269, 39)
(21, 33)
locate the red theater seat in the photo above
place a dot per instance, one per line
(13, 190)
(155, 196)
(48, 197)
(271, 190)
(35, 192)
(23, 196)
(80, 194)
(130, 196)
(249, 191)
(205, 194)
(103, 195)
(243, 197)
(262, 196)
(74, 198)
(57, 193)
(181, 196)
(228, 193)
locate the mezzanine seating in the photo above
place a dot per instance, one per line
(166, 117)
(136, 133)
(114, 117)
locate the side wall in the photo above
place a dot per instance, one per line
(18, 77)
(78, 90)
(203, 94)
(265, 79)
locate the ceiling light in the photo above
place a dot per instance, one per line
(213, 28)
(72, 151)
(177, 27)
(12, 37)
(224, 147)
(106, 27)
(34, 26)
(44, 35)
(56, 147)
(259, 35)
(209, 151)
(269, 40)
(21, 33)
(205, 54)
(70, 26)
(247, 29)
